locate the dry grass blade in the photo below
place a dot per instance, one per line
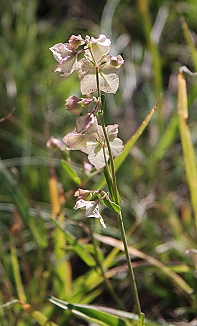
(137, 253)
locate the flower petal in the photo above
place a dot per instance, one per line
(75, 141)
(87, 123)
(99, 46)
(66, 56)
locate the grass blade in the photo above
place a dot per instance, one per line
(71, 172)
(16, 273)
(187, 146)
(77, 247)
(91, 314)
(166, 270)
(63, 270)
(118, 161)
(19, 201)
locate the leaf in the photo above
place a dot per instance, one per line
(78, 248)
(104, 315)
(19, 201)
(179, 281)
(118, 161)
(71, 172)
(186, 141)
(90, 313)
(111, 205)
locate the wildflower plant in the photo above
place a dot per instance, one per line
(97, 71)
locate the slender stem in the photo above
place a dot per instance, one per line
(121, 224)
(113, 172)
(102, 272)
(119, 216)
(112, 176)
(130, 268)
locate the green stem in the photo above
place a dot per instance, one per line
(130, 268)
(112, 177)
(120, 220)
(102, 272)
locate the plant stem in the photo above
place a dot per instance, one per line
(102, 273)
(120, 221)
(130, 268)
(112, 176)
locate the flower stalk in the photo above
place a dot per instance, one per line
(97, 73)
(112, 175)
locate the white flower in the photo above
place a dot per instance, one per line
(100, 47)
(66, 56)
(96, 155)
(91, 209)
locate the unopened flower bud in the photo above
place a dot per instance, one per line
(116, 61)
(74, 105)
(54, 143)
(83, 194)
(76, 41)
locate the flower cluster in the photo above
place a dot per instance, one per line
(97, 72)
(96, 55)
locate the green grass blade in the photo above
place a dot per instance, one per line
(189, 41)
(104, 315)
(164, 143)
(77, 247)
(71, 172)
(38, 316)
(187, 146)
(16, 273)
(19, 201)
(91, 314)
(143, 6)
(62, 269)
(118, 161)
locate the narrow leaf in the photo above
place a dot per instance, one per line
(78, 248)
(19, 201)
(188, 149)
(37, 315)
(100, 317)
(17, 274)
(71, 172)
(118, 161)
(179, 281)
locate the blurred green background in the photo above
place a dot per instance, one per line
(152, 38)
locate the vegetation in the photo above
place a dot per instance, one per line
(51, 256)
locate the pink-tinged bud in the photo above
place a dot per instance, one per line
(86, 101)
(83, 194)
(116, 61)
(74, 105)
(75, 41)
(54, 143)
(87, 168)
(66, 56)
